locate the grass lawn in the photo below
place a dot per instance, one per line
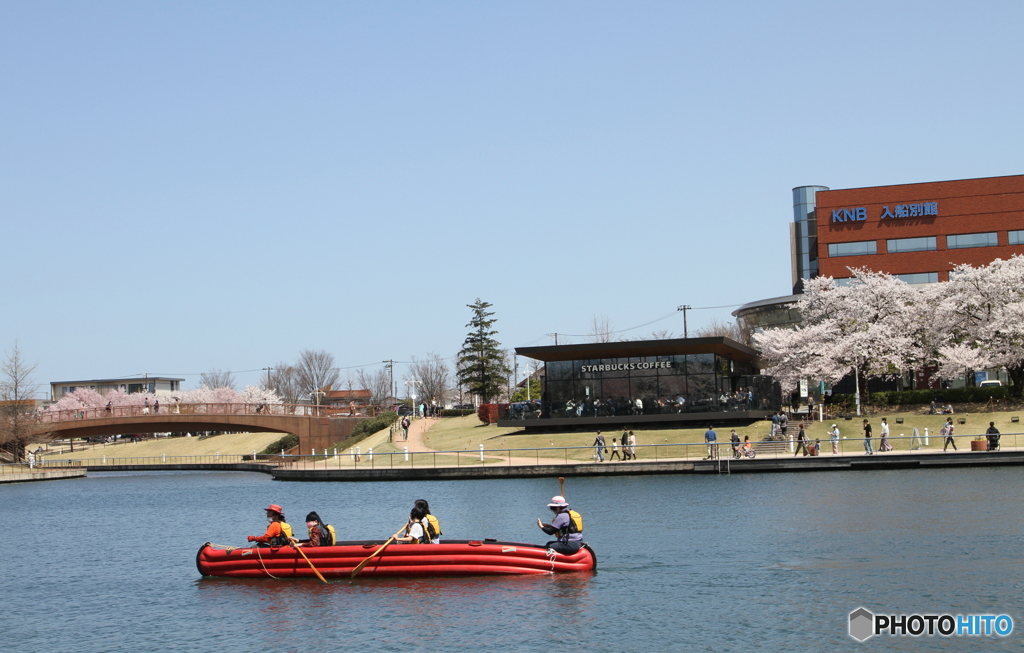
(468, 433)
(226, 444)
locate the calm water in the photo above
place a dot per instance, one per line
(757, 562)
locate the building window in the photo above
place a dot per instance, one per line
(920, 277)
(900, 245)
(852, 249)
(972, 240)
(1016, 237)
(845, 281)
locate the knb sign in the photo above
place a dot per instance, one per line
(860, 214)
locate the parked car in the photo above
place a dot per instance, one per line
(990, 384)
(464, 407)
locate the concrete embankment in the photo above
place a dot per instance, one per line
(265, 468)
(49, 475)
(723, 466)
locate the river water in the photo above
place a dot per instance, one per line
(771, 562)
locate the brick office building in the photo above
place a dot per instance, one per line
(918, 232)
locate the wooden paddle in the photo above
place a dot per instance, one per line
(362, 564)
(561, 486)
(309, 562)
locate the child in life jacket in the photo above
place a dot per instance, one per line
(279, 533)
(431, 525)
(414, 530)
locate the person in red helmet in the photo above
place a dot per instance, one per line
(279, 533)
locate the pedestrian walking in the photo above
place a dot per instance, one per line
(883, 444)
(801, 441)
(599, 445)
(947, 434)
(867, 439)
(833, 436)
(615, 451)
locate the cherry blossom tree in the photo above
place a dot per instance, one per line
(979, 314)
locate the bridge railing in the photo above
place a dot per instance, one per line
(172, 408)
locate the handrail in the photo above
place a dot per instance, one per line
(164, 410)
(669, 451)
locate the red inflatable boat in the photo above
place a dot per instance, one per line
(450, 558)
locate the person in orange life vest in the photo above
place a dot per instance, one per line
(278, 533)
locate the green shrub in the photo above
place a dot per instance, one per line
(286, 443)
(945, 395)
(366, 428)
(460, 412)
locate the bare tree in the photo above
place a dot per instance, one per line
(662, 334)
(378, 383)
(315, 372)
(18, 426)
(432, 376)
(217, 379)
(719, 328)
(601, 329)
(284, 381)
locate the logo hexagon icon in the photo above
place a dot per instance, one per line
(861, 624)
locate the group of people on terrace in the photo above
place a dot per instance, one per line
(741, 399)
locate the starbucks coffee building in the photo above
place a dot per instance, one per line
(648, 381)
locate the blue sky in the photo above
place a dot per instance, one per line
(190, 186)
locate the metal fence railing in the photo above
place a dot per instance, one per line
(39, 465)
(172, 408)
(683, 451)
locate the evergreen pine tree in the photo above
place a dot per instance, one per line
(481, 364)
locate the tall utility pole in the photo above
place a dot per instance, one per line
(390, 365)
(268, 369)
(684, 308)
(555, 336)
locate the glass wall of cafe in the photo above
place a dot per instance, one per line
(690, 383)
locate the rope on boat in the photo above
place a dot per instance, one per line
(552, 554)
(222, 546)
(260, 557)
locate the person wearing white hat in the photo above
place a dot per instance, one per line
(833, 435)
(567, 526)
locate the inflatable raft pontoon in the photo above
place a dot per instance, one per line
(450, 558)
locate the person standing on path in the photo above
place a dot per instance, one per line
(405, 427)
(599, 445)
(833, 436)
(993, 437)
(735, 439)
(632, 446)
(883, 444)
(710, 437)
(947, 433)
(867, 439)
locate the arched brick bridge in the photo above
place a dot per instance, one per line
(318, 427)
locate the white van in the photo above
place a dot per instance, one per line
(990, 384)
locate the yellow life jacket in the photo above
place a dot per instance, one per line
(575, 524)
(331, 535)
(431, 528)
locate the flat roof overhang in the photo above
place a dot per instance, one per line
(717, 345)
